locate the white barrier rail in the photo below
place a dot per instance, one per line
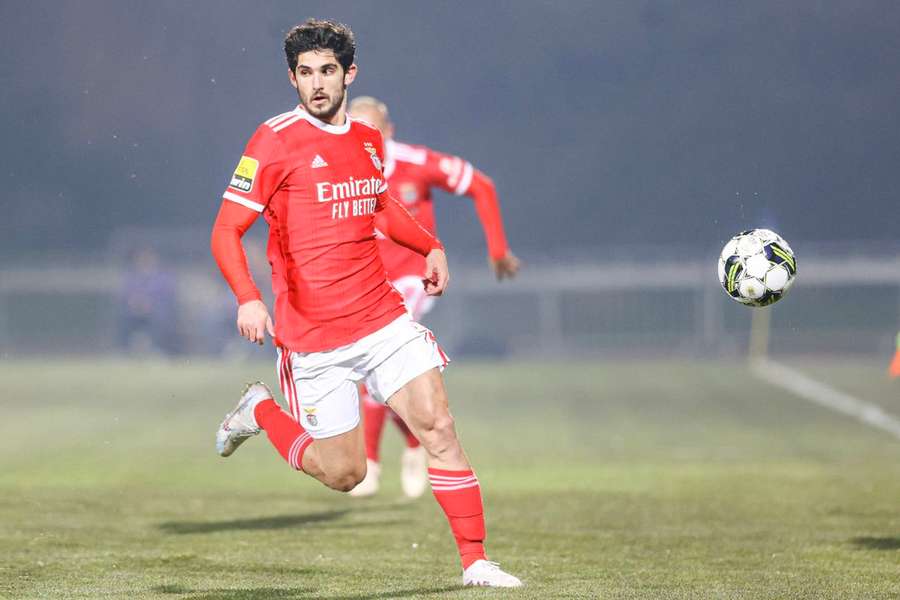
(560, 309)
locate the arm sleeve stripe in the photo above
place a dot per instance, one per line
(383, 188)
(465, 181)
(243, 201)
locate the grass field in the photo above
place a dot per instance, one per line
(602, 480)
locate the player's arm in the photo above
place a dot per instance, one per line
(394, 221)
(232, 222)
(459, 177)
(484, 196)
(258, 174)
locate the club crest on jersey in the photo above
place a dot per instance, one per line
(373, 154)
(244, 174)
(408, 193)
(311, 416)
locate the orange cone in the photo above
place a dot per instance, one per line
(894, 369)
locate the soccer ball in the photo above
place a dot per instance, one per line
(757, 267)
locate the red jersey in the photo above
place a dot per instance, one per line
(318, 187)
(412, 172)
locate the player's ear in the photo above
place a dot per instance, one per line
(293, 79)
(350, 75)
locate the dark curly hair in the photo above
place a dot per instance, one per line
(316, 34)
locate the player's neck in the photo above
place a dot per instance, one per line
(338, 119)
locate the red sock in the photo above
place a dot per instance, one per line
(374, 414)
(284, 432)
(459, 495)
(411, 440)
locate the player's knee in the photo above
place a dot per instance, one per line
(345, 483)
(347, 478)
(444, 427)
(437, 424)
(439, 434)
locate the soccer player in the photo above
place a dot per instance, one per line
(894, 368)
(316, 176)
(412, 172)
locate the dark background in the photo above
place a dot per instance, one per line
(605, 125)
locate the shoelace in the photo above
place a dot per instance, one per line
(233, 416)
(491, 565)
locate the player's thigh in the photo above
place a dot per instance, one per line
(422, 402)
(333, 420)
(323, 398)
(342, 453)
(409, 351)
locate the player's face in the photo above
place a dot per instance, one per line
(321, 83)
(372, 115)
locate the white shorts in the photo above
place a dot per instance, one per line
(417, 302)
(321, 387)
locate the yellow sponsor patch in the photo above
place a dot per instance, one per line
(244, 174)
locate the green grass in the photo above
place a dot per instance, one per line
(601, 480)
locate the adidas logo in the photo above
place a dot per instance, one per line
(318, 162)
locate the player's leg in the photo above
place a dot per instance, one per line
(338, 461)
(414, 459)
(422, 403)
(374, 415)
(894, 367)
(413, 462)
(409, 378)
(324, 400)
(330, 448)
(408, 436)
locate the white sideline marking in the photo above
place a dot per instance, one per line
(824, 395)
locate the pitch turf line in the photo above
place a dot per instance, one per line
(825, 395)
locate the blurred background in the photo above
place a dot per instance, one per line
(627, 143)
(626, 446)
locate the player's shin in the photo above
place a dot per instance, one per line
(374, 414)
(459, 495)
(285, 434)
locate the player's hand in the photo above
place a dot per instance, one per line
(437, 275)
(253, 321)
(506, 266)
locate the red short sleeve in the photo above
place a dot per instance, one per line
(450, 173)
(259, 172)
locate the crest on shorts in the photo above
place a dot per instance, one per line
(373, 154)
(311, 416)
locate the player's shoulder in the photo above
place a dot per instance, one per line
(365, 130)
(280, 122)
(363, 125)
(409, 153)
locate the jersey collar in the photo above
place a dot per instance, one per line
(335, 129)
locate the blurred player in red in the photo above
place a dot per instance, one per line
(412, 172)
(894, 368)
(316, 176)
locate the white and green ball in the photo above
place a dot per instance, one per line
(757, 267)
